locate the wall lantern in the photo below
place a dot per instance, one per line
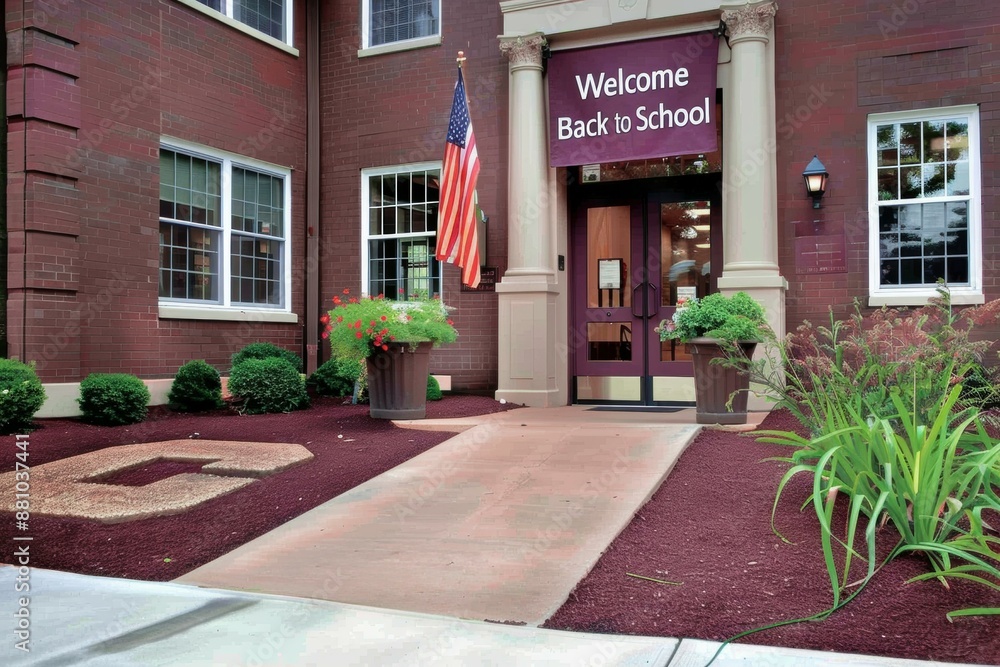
(816, 177)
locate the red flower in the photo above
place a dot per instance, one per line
(336, 300)
(347, 291)
(324, 319)
(352, 300)
(374, 323)
(409, 317)
(340, 318)
(358, 334)
(326, 334)
(385, 347)
(402, 291)
(384, 318)
(451, 322)
(358, 324)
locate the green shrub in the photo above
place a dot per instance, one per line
(433, 389)
(112, 399)
(21, 394)
(336, 377)
(262, 350)
(197, 387)
(268, 385)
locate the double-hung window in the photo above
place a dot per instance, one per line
(402, 22)
(399, 222)
(271, 17)
(224, 223)
(924, 205)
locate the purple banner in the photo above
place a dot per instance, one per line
(635, 100)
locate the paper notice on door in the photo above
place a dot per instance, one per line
(609, 274)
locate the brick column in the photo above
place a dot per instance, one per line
(43, 200)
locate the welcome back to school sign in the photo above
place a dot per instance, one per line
(634, 100)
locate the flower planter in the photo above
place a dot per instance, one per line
(714, 384)
(397, 381)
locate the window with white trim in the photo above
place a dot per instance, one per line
(924, 202)
(399, 231)
(392, 21)
(224, 224)
(267, 16)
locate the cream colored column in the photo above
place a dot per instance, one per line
(750, 230)
(528, 290)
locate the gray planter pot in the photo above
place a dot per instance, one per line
(397, 381)
(714, 384)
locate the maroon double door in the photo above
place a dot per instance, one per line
(639, 249)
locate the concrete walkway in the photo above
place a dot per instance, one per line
(499, 523)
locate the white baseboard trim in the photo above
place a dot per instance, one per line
(61, 397)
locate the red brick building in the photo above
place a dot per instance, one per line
(188, 176)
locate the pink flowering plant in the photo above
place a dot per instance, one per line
(357, 327)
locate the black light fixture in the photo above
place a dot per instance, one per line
(816, 177)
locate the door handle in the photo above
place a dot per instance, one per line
(655, 309)
(635, 302)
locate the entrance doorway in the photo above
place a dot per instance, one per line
(639, 249)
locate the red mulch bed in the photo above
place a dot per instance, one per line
(140, 549)
(708, 526)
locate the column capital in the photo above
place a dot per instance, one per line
(523, 50)
(750, 22)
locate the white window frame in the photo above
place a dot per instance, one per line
(226, 309)
(404, 45)
(917, 296)
(366, 235)
(226, 16)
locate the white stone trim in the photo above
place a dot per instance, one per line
(168, 312)
(244, 28)
(405, 45)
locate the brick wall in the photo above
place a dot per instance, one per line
(393, 109)
(839, 62)
(93, 87)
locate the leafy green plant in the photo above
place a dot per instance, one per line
(336, 377)
(21, 395)
(727, 318)
(268, 385)
(265, 350)
(433, 389)
(929, 481)
(358, 327)
(113, 399)
(196, 387)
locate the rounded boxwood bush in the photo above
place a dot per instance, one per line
(433, 389)
(268, 385)
(197, 387)
(336, 377)
(112, 399)
(21, 394)
(264, 350)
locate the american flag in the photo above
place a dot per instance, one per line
(457, 240)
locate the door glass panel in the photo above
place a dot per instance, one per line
(608, 248)
(686, 266)
(609, 341)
